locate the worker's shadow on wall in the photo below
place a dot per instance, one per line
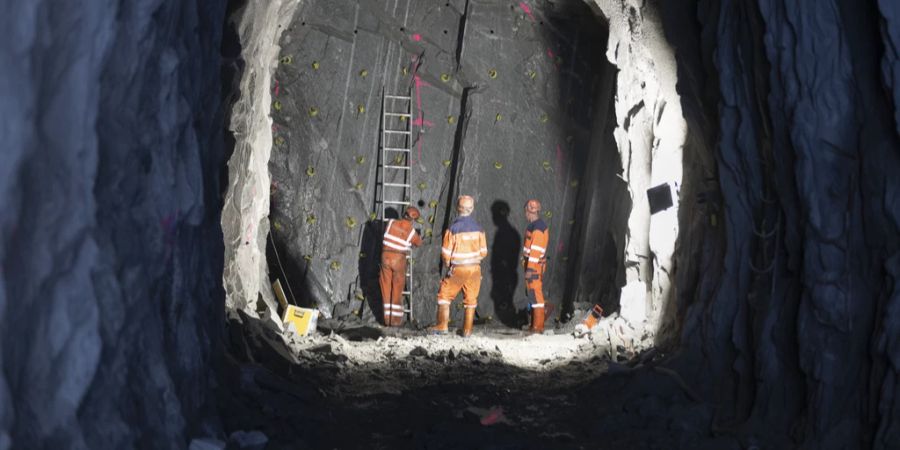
(369, 265)
(504, 265)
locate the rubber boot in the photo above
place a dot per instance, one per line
(468, 322)
(443, 320)
(537, 320)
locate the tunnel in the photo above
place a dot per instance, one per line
(180, 177)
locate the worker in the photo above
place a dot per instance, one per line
(464, 246)
(399, 238)
(534, 261)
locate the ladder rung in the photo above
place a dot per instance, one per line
(395, 203)
(396, 167)
(395, 149)
(397, 131)
(398, 114)
(398, 97)
(395, 184)
(406, 292)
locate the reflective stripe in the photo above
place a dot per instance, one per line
(445, 251)
(466, 261)
(533, 259)
(526, 250)
(466, 254)
(411, 233)
(395, 239)
(443, 302)
(484, 250)
(397, 314)
(471, 306)
(392, 306)
(395, 246)
(537, 305)
(538, 247)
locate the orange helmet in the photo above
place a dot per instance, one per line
(533, 206)
(412, 212)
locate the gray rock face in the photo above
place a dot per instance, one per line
(110, 297)
(505, 97)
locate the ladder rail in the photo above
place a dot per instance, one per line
(400, 166)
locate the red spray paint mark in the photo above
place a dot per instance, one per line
(527, 10)
(417, 37)
(276, 88)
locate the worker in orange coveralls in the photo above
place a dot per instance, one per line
(464, 246)
(534, 261)
(399, 238)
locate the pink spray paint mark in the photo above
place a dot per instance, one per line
(559, 158)
(527, 10)
(560, 247)
(276, 88)
(493, 416)
(420, 120)
(417, 37)
(166, 222)
(552, 57)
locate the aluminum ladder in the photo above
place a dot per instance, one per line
(396, 177)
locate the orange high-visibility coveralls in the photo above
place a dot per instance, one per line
(537, 238)
(463, 248)
(399, 237)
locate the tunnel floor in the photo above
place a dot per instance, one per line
(446, 392)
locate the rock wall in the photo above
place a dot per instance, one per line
(505, 96)
(650, 134)
(787, 304)
(110, 245)
(245, 221)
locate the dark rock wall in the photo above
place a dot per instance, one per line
(793, 326)
(110, 244)
(505, 98)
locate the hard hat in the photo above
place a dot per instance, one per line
(533, 206)
(412, 212)
(465, 202)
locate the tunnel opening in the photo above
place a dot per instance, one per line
(511, 101)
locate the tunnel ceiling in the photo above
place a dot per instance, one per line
(504, 100)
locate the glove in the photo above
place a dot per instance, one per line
(581, 330)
